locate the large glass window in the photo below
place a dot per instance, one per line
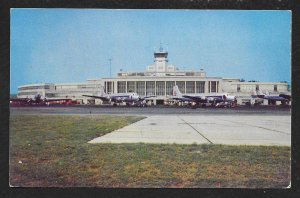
(140, 88)
(150, 88)
(121, 87)
(131, 86)
(160, 88)
(200, 86)
(109, 86)
(275, 88)
(257, 87)
(169, 87)
(190, 86)
(238, 89)
(181, 86)
(213, 85)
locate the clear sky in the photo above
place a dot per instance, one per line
(73, 45)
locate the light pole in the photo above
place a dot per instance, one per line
(110, 59)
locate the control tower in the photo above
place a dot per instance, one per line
(161, 60)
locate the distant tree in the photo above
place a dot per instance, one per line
(253, 81)
(242, 80)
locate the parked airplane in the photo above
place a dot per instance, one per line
(283, 98)
(130, 98)
(201, 99)
(36, 100)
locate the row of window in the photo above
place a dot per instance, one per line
(256, 88)
(34, 87)
(67, 87)
(27, 93)
(162, 87)
(58, 87)
(63, 95)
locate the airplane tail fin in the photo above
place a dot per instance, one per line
(267, 92)
(101, 91)
(176, 91)
(259, 92)
(253, 93)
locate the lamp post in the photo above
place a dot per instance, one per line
(110, 59)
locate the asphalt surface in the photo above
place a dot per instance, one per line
(153, 110)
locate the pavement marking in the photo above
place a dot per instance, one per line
(203, 123)
(196, 130)
(273, 130)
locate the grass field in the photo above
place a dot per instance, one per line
(50, 150)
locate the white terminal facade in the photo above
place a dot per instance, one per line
(158, 80)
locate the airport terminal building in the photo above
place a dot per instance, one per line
(158, 80)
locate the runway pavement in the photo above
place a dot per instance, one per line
(238, 126)
(184, 129)
(154, 110)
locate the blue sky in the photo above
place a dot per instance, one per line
(73, 45)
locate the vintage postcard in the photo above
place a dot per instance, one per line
(150, 98)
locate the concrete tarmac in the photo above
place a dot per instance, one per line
(153, 110)
(184, 129)
(182, 125)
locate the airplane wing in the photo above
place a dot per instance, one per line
(183, 99)
(143, 98)
(99, 97)
(49, 100)
(276, 98)
(194, 98)
(286, 96)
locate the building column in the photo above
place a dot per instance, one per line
(145, 89)
(155, 88)
(209, 86)
(115, 85)
(195, 87)
(165, 89)
(206, 86)
(185, 86)
(135, 90)
(105, 86)
(220, 87)
(126, 87)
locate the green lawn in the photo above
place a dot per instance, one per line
(53, 151)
